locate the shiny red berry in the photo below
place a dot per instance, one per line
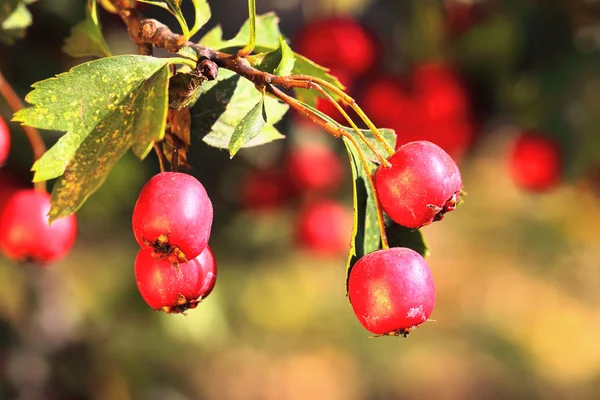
(420, 186)
(535, 163)
(314, 168)
(208, 265)
(24, 231)
(391, 291)
(173, 214)
(4, 141)
(325, 227)
(339, 43)
(166, 287)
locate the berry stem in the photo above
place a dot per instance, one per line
(352, 103)
(38, 147)
(337, 132)
(159, 155)
(362, 137)
(249, 48)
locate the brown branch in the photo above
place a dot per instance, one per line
(38, 147)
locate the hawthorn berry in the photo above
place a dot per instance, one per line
(167, 287)
(264, 189)
(391, 291)
(4, 141)
(25, 234)
(535, 163)
(420, 186)
(324, 227)
(314, 168)
(173, 214)
(339, 43)
(208, 265)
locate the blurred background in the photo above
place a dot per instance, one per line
(509, 88)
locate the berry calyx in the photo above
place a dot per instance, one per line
(314, 168)
(535, 163)
(25, 234)
(391, 291)
(421, 185)
(173, 215)
(166, 287)
(208, 265)
(4, 141)
(325, 227)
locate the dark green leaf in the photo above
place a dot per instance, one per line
(106, 107)
(304, 66)
(279, 62)
(401, 236)
(267, 35)
(86, 38)
(249, 127)
(223, 104)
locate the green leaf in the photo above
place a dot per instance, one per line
(15, 18)
(401, 236)
(86, 38)
(267, 35)
(304, 66)
(105, 107)
(222, 106)
(174, 7)
(249, 127)
(279, 62)
(202, 15)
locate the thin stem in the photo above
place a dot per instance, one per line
(361, 135)
(352, 103)
(159, 155)
(38, 147)
(380, 221)
(249, 48)
(336, 131)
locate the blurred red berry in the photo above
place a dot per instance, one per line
(325, 227)
(339, 43)
(535, 163)
(264, 189)
(4, 141)
(314, 168)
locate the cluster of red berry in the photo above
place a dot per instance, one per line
(25, 234)
(172, 220)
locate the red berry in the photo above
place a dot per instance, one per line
(391, 291)
(420, 186)
(173, 214)
(314, 167)
(166, 287)
(209, 270)
(535, 163)
(25, 233)
(10, 183)
(264, 189)
(338, 43)
(325, 227)
(4, 141)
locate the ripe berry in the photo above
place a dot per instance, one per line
(264, 189)
(314, 168)
(24, 231)
(167, 287)
(173, 214)
(4, 141)
(421, 185)
(535, 163)
(10, 183)
(325, 227)
(338, 43)
(209, 271)
(391, 291)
